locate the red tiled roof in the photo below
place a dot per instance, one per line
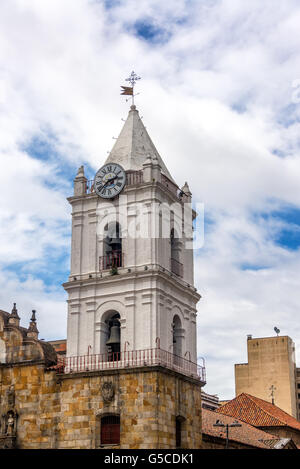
(246, 434)
(258, 412)
(60, 346)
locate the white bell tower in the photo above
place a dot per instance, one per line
(131, 275)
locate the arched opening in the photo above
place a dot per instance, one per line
(176, 265)
(177, 336)
(178, 430)
(112, 246)
(10, 423)
(110, 338)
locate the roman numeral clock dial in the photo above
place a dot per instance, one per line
(109, 180)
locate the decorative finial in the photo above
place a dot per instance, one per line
(80, 172)
(14, 312)
(33, 318)
(32, 329)
(14, 318)
(129, 90)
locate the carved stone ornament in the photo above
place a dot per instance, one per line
(108, 391)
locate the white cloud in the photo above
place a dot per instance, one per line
(216, 99)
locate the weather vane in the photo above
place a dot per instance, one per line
(129, 90)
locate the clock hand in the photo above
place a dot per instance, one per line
(108, 181)
(112, 179)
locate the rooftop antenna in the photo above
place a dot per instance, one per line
(129, 90)
(277, 330)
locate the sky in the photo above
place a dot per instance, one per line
(220, 96)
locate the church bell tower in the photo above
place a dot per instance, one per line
(131, 285)
(131, 298)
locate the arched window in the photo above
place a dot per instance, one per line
(178, 431)
(177, 336)
(112, 248)
(176, 266)
(113, 337)
(110, 430)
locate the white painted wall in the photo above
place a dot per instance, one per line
(146, 300)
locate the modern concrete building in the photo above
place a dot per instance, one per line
(209, 401)
(298, 391)
(270, 373)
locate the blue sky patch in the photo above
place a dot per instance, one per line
(45, 149)
(149, 32)
(289, 236)
(52, 272)
(253, 267)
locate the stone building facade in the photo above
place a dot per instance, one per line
(52, 409)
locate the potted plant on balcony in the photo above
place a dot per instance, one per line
(114, 268)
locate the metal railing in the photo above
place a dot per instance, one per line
(176, 267)
(130, 359)
(111, 260)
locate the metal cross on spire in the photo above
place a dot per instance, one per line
(129, 90)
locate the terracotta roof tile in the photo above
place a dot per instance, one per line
(246, 434)
(258, 412)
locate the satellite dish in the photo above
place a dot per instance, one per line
(277, 330)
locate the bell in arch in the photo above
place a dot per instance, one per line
(113, 239)
(114, 338)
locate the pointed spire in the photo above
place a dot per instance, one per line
(134, 145)
(33, 318)
(185, 191)
(14, 312)
(14, 318)
(32, 329)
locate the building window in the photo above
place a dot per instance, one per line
(179, 423)
(176, 266)
(177, 337)
(110, 430)
(112, 250)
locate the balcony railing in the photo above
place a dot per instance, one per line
(130, 359)
(176, 267)
(111, 260)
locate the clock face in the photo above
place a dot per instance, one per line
(109, 180)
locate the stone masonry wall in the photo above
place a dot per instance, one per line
(64, 411)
